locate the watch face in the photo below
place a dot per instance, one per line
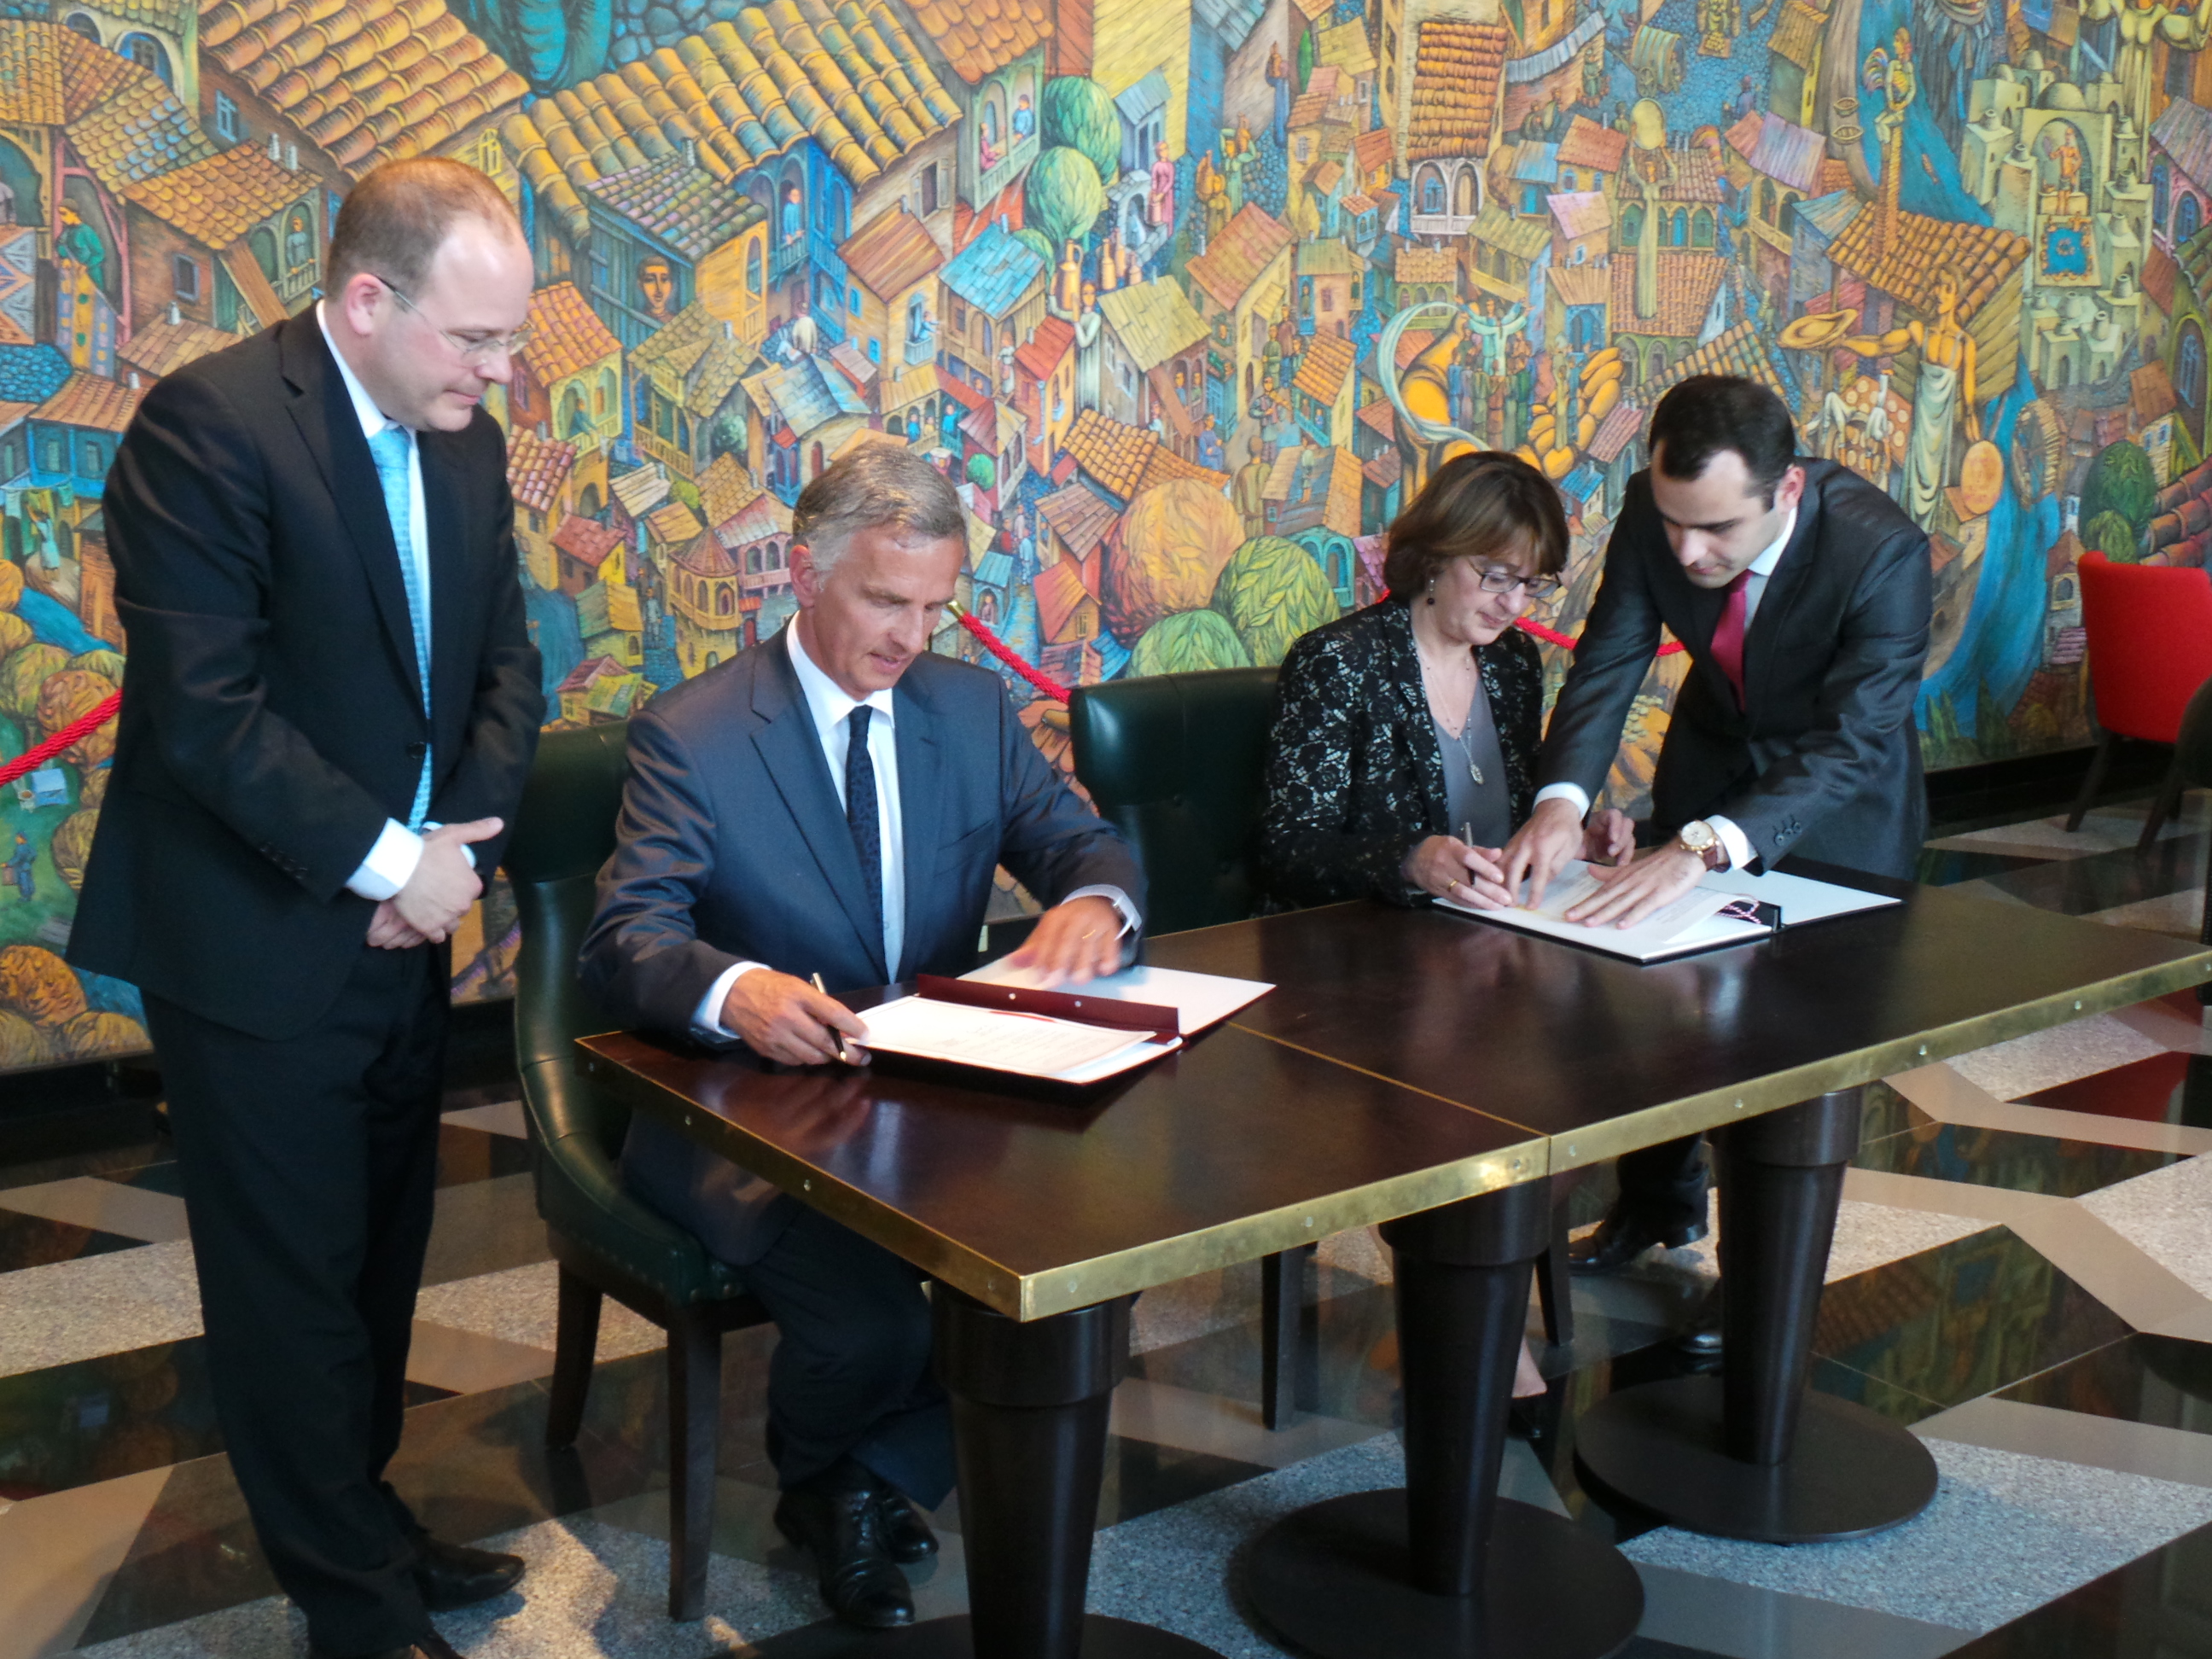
(1699, 836)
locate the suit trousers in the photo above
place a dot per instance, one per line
(310, 1169)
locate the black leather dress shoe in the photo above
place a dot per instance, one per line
(1701, 1337)
(451, 1576)
(1625, 1235)
(907, 1537)
(837, 1518)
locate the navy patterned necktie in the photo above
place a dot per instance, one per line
(860, 809)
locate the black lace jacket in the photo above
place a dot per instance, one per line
(1354, 775)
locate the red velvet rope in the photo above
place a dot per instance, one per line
(1552, 636)
(991, 643)
(74, 732)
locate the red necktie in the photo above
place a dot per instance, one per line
(1728, 635)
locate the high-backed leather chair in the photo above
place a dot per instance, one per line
(606, 1241)
(1176, 763)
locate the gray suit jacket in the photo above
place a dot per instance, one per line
(1825, 759)
(733, 847)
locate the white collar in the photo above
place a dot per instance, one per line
(373, 419)
(1763, 565)
(827, 700)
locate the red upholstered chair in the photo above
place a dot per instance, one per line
(2150, 647)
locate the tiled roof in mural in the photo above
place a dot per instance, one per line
(1740, 350)
(1152, 320)
(1456, 70)
(586, 540)
(1579, 213)
(892, 252)
(757, 520)
(978, 36)
(537, 468)
(1128, 459)
(1301, 470)
(86, 400)
(31, 374)
(684, 205)
(1326, 367)
(1499, 226)
(672, 522)
(705, 556)
(1041, 353)
(1904, 262)
(1590, 145)
(166, 346)
(369, 81)
(1416, 264)
(218, 199)
(1686, 285)
(1781, 150)
(1080, 516)
(1233, 20)
(49, 76)
(2159, 273)
(744, 90)
(724, 488)
(995, 272)
(1247, 245)
(139, 132)
(1682, 175)
(566, 335)
(2183, 131)
(1798, 33)
(1615, 433)
(1588, 284)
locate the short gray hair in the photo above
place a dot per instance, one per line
(874, 485)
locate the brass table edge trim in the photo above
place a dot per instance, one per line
(1694, 1114)
(1383, 1076)
(964, 1268)
(1144, 1267)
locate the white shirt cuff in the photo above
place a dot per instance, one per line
(1568, 791)
(390, 864)
(1738, 843)
(1113, 896)
(707, 1018)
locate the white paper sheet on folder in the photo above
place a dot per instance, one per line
(997, 1039)
(1199, 1000)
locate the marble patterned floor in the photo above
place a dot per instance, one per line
(2023, 1276)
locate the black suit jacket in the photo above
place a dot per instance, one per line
(272, 716)
(1824, 759)
(733, 847)
(1355, 778)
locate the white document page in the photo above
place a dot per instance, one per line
(1802, 899)
(1199, 1000)
(996, 1038)
(1688, 924)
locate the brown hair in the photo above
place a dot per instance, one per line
(397, 219)
(1488, 505)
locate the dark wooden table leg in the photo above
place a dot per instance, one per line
(1754, 1453)
(1030, 1405)
(1445, 1566)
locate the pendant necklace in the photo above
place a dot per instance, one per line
(1460, 739)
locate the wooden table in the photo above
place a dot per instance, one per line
(1422, 1069)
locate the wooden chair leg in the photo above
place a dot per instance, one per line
(2091, 783)
(695, 1411)
(1554, 1283)
(576, 1343)
(1282, 1299)
(2167, 804)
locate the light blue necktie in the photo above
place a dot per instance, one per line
(390, 449)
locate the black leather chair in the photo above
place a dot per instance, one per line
(606, 1241)
(1177, 764)
(2192, 769)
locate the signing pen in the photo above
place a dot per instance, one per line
(840, 1035)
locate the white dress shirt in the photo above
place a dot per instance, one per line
(831, 708)
(1734, 841)
(390, 862)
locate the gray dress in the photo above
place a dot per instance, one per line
(1480, 806)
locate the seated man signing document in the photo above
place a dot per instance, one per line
(834, 802)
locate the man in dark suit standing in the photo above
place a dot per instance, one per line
(834, 801)
(1803, 594)
(331, 704)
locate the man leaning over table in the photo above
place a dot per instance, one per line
(1802, 593)
(834, 801)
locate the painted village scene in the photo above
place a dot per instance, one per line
(1187, 297)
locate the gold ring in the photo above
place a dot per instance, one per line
(1093, 933)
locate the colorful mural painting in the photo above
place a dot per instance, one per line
(1186, 295)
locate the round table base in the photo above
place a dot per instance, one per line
(1102, 1639)
(1333, 1579)
(1659, 1446)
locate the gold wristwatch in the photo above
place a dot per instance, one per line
(1701, 838)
